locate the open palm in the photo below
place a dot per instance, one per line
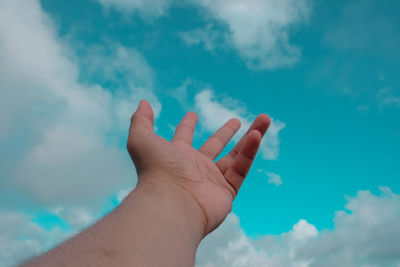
(212, 185)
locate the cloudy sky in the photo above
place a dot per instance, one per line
(324, 189)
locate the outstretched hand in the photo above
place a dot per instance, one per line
(181, 196)
(211, 185)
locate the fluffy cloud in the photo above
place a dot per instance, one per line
(20, 238)
(60, 142)
(61, 133)
(366, 234)
(229, 246)
(215, 112)
(258, 29)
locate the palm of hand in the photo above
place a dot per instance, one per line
(201, 178)
(212, 185)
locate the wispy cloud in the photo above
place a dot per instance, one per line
(273, 178)
(363, 38)
(210, 37)
(388, 97)
(148, 9)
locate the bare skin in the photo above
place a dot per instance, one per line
(181, 196)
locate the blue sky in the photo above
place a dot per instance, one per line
(71, 73)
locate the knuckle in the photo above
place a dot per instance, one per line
(185, 126)
(239, 171)
(206, 153)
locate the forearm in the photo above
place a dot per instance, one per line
(156, 225)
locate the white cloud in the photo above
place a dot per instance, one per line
(273, 178)
(214, 113)
(210, 37)
(366, 234)
(110, 63)
(258, 29)
(303, 230)
(61, 130)
(67, 165)
(20, 238)
(146, 8)
(64, 134)
(229, 246)
(122, 194)
(107, 64)
(76, 217)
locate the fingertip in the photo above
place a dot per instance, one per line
(262, 123)
(145, 104)
(234, 124)
(265, 118)
(256, 135)
(144, 109)
(237, 122)
(193, 115)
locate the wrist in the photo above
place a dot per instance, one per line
(172, 207)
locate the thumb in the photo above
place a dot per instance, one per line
(141, 127)
(143, 118)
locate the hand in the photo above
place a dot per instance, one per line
(212, 186)
(181, 196)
